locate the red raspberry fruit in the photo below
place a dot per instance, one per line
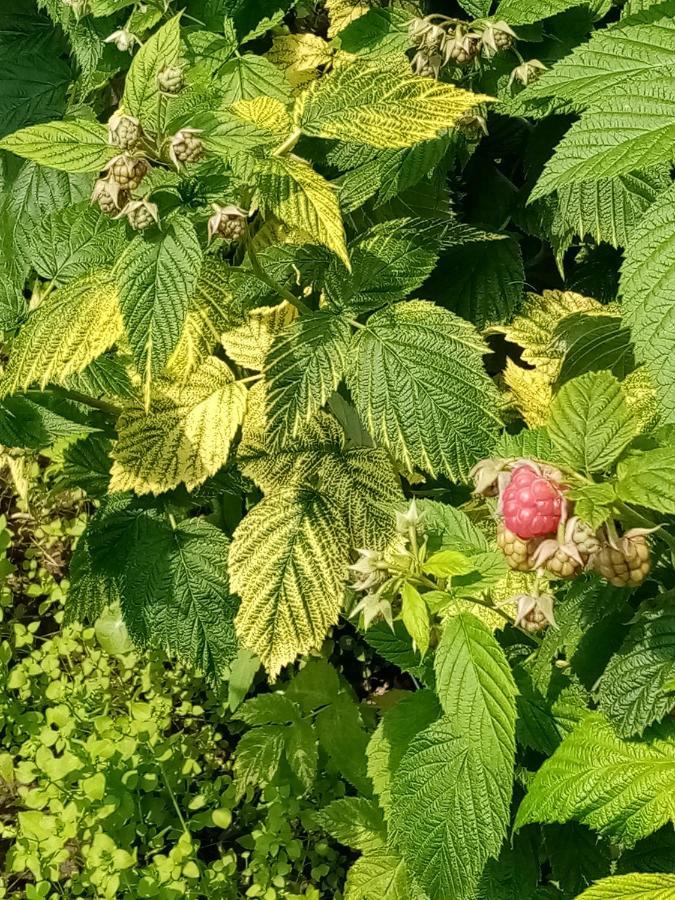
(531, 504)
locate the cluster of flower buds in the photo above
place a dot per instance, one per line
(377, 574)
(441, 41)
(538, 531)
(227, 221)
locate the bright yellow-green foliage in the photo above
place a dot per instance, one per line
(381, 107)
(249, 344)
(66, 332)
(293, 191)
(185, 435)
(288, 564)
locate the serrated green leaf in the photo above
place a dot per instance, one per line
(653, 854)
(392, 737)
(380, 107)
(355, 822)
(365, 489)
(415, 616)
(34, 75)
(251, 76)
(396, 646)
(481, 277)
(381, 874)
(74, 242)
(172, 582)
(476, 689)
(590, 423)
(86, 464)
(647, 284)
(526, 12)
(343, 737)
(608, 210)
(268, 709)
(157, 277)
(184, 435)
(577, 855)
(288, 563)
(446, 563)
(420, 388)
(446, 843)
(258, 756)
(377, 34)
(625, 790)
(647, 478)
(141, 90)
(305, 364)
(248, 344)
(303, 199)
(593, 343)
(633, 687)
(64, 334)
(74, 145)
(388, 262)
(534, 443)
(624, 54)
(632, 887)
(37, 422)
(633, 130)
(593, 502)
(301, 750)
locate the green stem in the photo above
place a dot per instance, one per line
(287, 145)
(270, 282)
(86, 400)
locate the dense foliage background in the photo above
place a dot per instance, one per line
(337, 449)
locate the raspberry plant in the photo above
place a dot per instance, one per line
(263, 303)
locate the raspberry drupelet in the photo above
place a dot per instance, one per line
(531, 504)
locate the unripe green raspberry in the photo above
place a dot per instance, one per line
(171, 80)
(228, 221)
(141, 214)
(123, 131)
(186, 147)
(109, 196)
(127, 171)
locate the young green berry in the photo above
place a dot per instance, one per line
(534, 612)
(626, 563)
(186, 147)
(141, 214)
(123, 131)
(109, 196)
(128, 171)
(171, 80)
(227, 221)
(519, 552)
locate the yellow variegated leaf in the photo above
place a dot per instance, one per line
(64, 334)
(220, 303)
(249, 344)
(184, 437)
(298, 461)
(531, 392)
(288, 562)
(640, 395)
(533, 328)
(267, 113)
(342, 12)
(381, 107)
(303, 199)
(299, 55)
